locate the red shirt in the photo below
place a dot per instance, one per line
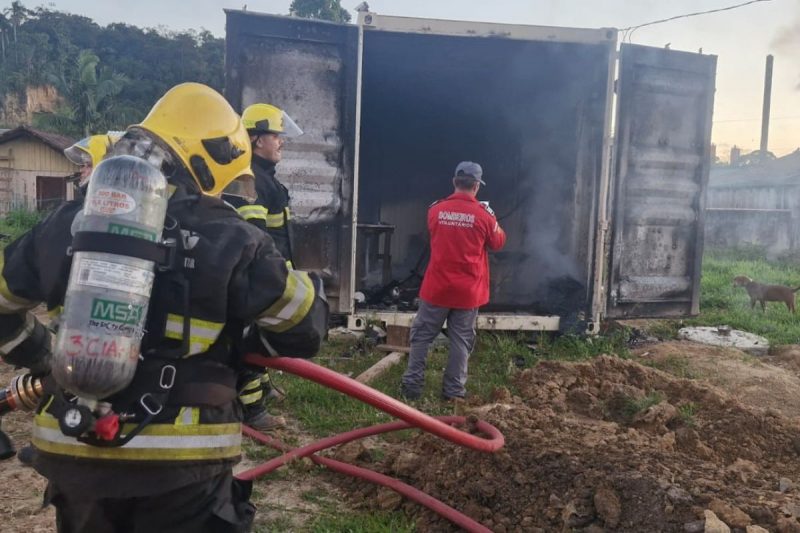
(458, 273)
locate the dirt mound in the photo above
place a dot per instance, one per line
(613, 445)
(787, 357)
(768, 382)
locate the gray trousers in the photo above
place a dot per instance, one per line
(461, 332)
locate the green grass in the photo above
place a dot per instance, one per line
(277, 525)
(323, 412)
(675, 365)
(497, 356)
(721, 303)
(328, 516)
(366, 522)
(17, 222)
(577, 348)
(687, 412)
(633, 406)
(664, 329)
(333, 520)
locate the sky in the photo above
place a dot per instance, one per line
(741, 38)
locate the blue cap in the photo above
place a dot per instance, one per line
(468, 168)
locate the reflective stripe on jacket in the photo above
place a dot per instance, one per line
(236, 277)
(157, 442)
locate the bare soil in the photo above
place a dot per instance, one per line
(631, 445)
(22, 488)
(287, 499)
(583, 454)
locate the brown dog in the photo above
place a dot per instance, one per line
(766, 293)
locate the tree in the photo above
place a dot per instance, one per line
(89, 93)
(50, 42)
(320, 9)
(17, 14)
(5, 27)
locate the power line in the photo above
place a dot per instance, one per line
(629, 30)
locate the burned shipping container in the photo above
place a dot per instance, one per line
(390, 105)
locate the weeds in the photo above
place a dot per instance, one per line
(366, 522)
(686, 413)
(317, 496)
(665, 329)
(750, 359)
(677, 366)
(277, 525)
(577, 348)
(17, 222)
(633, 406)
(497, 356)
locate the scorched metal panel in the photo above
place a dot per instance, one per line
(665, 101)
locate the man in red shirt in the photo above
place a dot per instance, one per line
(456, 282)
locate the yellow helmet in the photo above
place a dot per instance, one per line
(266, 118)
(204, 132)
(91, 150)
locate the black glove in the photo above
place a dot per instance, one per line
(34, 352)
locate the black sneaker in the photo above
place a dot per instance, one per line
(410, 396)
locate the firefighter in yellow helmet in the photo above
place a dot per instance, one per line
(268, 127)
(87, 154)
(168, 466)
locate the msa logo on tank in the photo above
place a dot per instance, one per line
(454, 218)
(118, 317)
(130, 231)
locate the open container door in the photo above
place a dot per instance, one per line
(309, 69)
(664, 107)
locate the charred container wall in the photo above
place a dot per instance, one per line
(532, 113)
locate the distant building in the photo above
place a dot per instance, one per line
(33, 169)
(757, 204)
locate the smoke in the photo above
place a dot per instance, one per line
(787, 41)
(545, 263)
(788, 38)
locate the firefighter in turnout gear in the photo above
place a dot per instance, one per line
(168, 466)
(268, 127)
(264, 203)
(87, 154)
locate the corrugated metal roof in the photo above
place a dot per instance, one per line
(54, 140)
(778, 172)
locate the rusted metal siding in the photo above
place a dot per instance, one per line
(308, 68)
(460, 28)
(311, 164)
(312, 70)
(662, 163)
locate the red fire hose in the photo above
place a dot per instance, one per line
(410, 417)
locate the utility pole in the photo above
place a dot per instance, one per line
(765, 108)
